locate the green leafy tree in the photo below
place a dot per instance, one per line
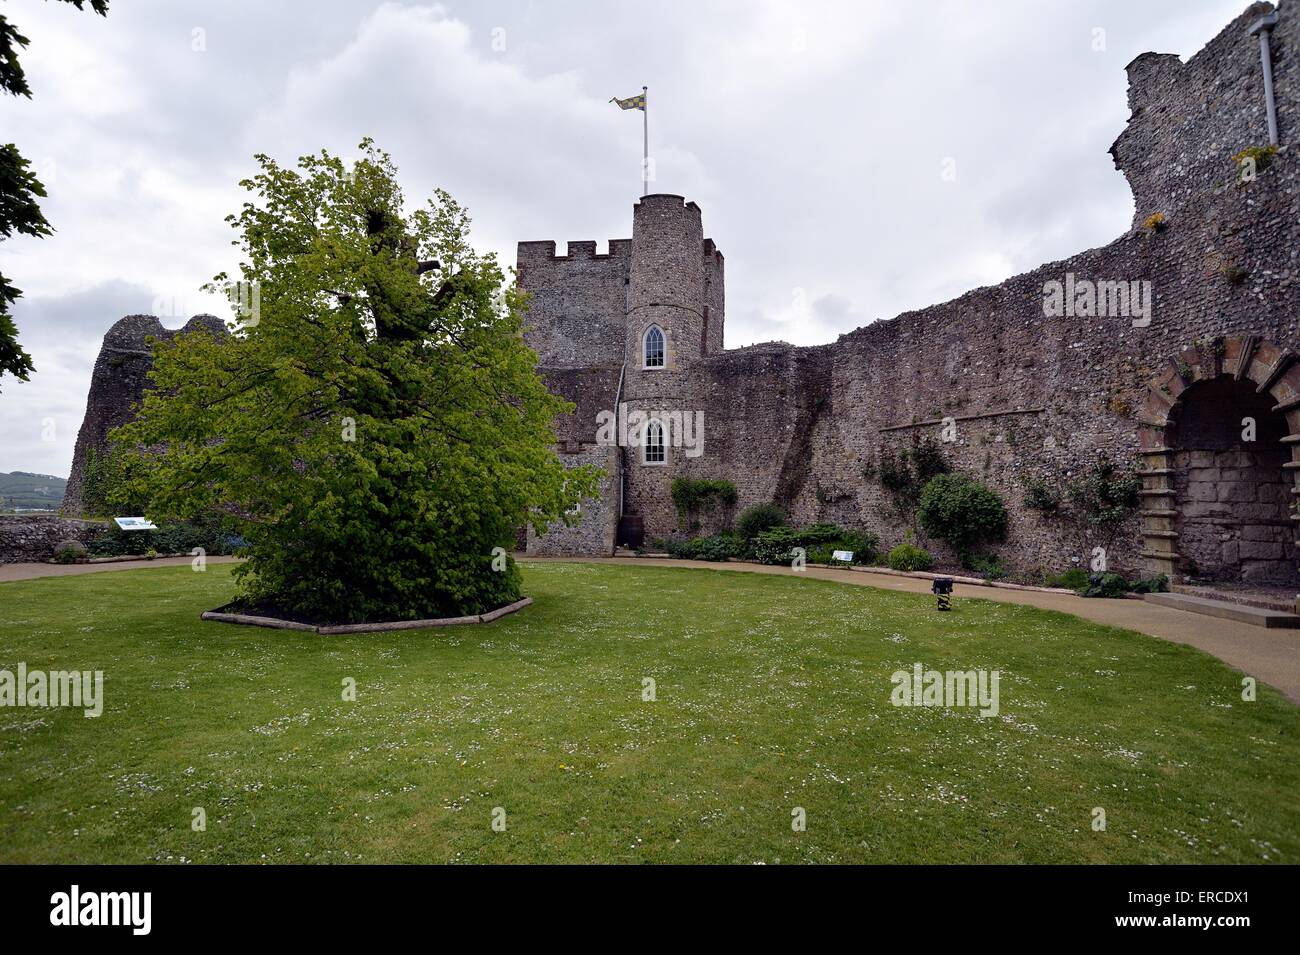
(20, 212)
(375, 426)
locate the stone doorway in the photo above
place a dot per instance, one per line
(1232, 488)
(1218, 507)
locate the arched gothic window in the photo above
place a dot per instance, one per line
(653, 450)
(653, 348)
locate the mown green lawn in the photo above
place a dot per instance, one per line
(772, 694)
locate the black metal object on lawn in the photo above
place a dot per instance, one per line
(942, 589)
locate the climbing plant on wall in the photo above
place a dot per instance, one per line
(1105, 495)
(906, 472)
(691, 496)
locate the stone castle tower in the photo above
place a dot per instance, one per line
(623, 332)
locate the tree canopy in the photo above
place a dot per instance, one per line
(374, 426)
(20, 212)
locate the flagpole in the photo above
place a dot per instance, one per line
(645, 140)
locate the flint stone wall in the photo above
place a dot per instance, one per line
(1031, 395)
(25, 537)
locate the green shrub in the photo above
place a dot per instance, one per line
(761, 517)
(988, 566)
(909, 557)
(1105, 496)
(1152, 585)
(864, 546)
(905, 473)
(1105, 585)
(1041, 497)
(1076, 578)
(824, 533)
(819, 542)
(167, 539)
(717, 547)
(775, 546)
(962, 512)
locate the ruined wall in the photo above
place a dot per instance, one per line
(117, 386)
(33, 537)
(1188, 117)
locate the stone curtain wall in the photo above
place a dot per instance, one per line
(593, 533)
(807, 426)
(26, 537)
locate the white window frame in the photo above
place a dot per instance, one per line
(663, 340)
(645, 443)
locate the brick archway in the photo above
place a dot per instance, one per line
(1273, 370)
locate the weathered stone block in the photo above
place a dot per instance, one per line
(1240, 493)
(1260, 550)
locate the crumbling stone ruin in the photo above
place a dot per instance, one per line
(1038, 379)
(117, 385)
(1147, 354)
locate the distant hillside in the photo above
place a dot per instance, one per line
(23, 490)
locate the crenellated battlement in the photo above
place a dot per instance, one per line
(578, 249)
(590, 310)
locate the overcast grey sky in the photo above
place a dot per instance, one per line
(812, 135)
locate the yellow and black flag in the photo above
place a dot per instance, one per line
(632, 102)
(638, 102)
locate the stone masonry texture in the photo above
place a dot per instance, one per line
(1032, 396)
(31, 537)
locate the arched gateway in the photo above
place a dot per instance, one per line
(1218, 435)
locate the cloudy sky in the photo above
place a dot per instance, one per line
(813, 135)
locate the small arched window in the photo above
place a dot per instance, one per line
(653, 350)
(653, 450)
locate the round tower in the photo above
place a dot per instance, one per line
(666, 287)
